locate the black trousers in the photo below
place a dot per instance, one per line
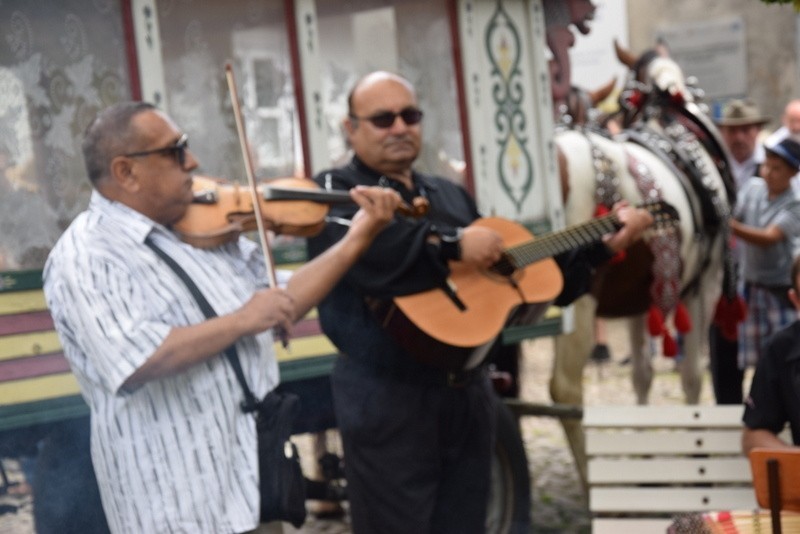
(726, 376)
(417, 456)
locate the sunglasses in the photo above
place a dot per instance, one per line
(386, 119)
(178, 149)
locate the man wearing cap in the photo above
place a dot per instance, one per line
(740, 126)
(767, 221)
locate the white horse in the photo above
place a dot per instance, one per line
(661, 156)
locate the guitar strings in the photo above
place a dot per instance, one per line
(553, 244)
(573, 237)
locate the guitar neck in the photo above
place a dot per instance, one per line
(557, 242)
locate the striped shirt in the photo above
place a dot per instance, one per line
(177, 454)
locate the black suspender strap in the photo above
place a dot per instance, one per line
(249, 402)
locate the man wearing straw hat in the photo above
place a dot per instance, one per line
(740, 126)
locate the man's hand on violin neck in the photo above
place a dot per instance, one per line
(378, 206)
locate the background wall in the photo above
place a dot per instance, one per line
(770, 41)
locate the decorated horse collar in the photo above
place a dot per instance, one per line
(681, 147)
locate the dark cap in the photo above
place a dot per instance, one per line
(741, 113)
(788, 150)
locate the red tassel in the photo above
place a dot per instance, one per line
(728, 314)
(619, 257)
(670, 347)
(655, 321)
(635, 99)
(683, 323)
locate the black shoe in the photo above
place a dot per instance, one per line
(600, 353)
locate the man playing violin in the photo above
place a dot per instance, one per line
(417, 438)
(171, 448)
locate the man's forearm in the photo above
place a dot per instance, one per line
(185, 347)
(309, 285)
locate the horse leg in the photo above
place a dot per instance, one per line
(690, 366)
(641, 359)
(566, 383)
(701, 306)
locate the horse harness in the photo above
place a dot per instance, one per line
(679, 145)
(680, 149)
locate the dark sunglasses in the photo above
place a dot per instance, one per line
(178, 149)
(386, 119)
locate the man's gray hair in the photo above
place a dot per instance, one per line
(110, 135)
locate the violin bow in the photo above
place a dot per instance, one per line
(269, 259)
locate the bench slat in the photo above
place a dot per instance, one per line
(651, 462)
(630, 526)
(22, 301)
(663, 442)
(670, 499)
(668, 470)
(674, 416)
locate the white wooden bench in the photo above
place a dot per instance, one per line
(647, 464)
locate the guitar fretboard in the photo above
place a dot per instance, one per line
(555, 243)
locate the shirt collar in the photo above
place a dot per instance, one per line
(135, 224)
(417, 178)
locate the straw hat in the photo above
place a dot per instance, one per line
(741, 113)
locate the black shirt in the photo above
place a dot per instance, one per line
(401, 261)
(774, 396)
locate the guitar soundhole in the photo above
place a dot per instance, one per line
(504, 267)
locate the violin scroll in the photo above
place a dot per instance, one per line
(419, 208)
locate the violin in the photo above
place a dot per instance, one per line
(221, 210)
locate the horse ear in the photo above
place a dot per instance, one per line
(662, 49)
(602, 93)
(624, 55)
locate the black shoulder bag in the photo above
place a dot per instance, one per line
(283, 487)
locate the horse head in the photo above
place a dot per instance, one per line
(655, 69)
(655, 79)
(580, 105)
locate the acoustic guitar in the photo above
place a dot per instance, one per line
(451, 322)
